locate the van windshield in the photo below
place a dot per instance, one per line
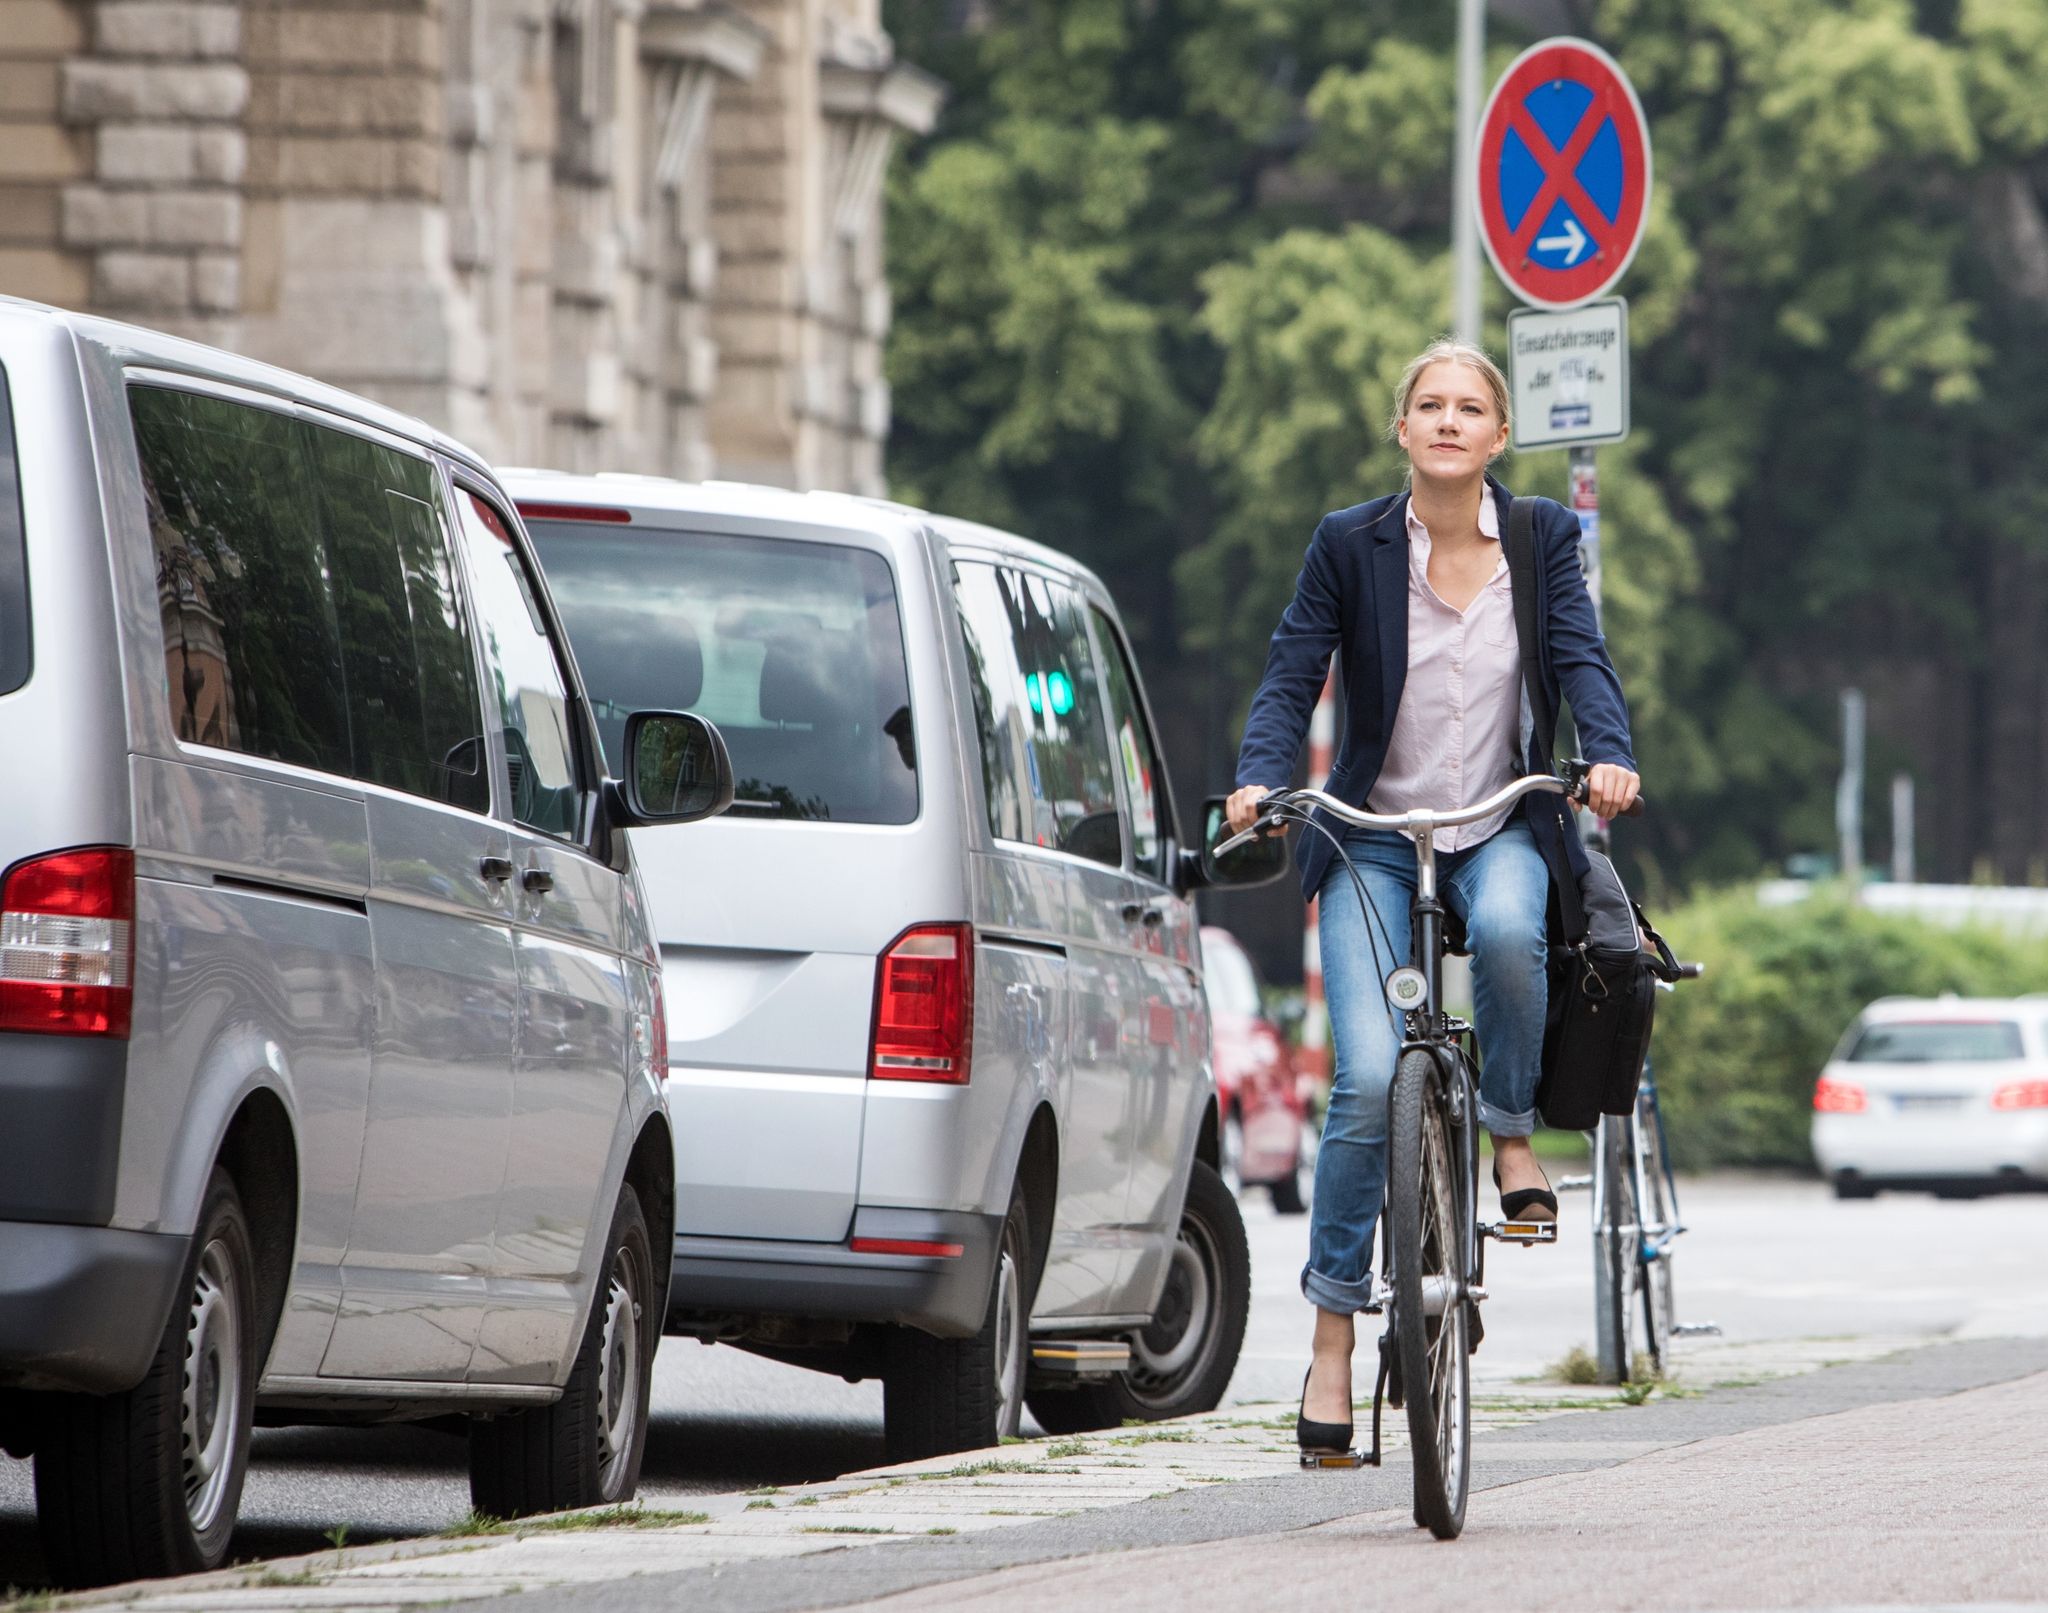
(1954, 1041)
(793, 649)
(14, 641)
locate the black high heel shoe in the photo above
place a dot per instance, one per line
(1514, 1206)
(1313, 1436)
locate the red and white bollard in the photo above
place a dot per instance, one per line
(1315, 1020)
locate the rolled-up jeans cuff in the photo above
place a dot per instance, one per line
(1330, 1294)
(1502, 1124)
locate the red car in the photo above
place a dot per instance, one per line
(1268, 1138)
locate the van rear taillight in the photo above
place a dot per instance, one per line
(924, 1005)
(67, 943)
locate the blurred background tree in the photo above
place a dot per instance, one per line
(1160, 265)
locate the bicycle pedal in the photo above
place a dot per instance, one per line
(1696, 1330)
(1571, 1184)
(1321, 1461)
(1528, 1233)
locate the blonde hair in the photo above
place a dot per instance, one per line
(1447, 351)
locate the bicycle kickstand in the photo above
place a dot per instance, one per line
(1357, 1458)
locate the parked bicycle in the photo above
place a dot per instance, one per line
(1636, 1221)
(1433, 1271)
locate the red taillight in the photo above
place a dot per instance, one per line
(924, 1005)
(1831, 1097)
(657, 1054)
(2021, 1095)
(67, 943)
(572, 512)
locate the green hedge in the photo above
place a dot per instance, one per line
(1736, 1053)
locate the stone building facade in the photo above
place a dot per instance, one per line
(637, 235)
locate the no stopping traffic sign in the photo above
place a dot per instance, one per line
(1564, 173)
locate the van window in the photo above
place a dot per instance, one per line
(406, 651)
(532, 692)
(253, 658)
(14, 628)
(1937, 1041)
(1034, 675)
(1001, 718)
(794, 649)
(1137, 757)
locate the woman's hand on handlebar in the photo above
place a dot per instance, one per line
(1242, 809)
(1611, 789)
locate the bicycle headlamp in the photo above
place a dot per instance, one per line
(1407, 990)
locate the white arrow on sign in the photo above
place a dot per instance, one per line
(1571, 243)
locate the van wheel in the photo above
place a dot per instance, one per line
(1182, 1363)
(946, 1395)
(585, 1449)
(145, 1483)
(1086, 1408)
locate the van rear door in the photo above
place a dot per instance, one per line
(772, 916)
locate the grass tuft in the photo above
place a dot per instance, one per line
(620, 1517)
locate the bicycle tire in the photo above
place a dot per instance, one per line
(1426, 1240)
(1617, 1245)
(1660, 1213)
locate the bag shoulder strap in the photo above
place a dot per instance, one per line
(1520, 543)
(1521, 556)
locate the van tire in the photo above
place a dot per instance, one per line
(945, 1395)
(1087, 1408)
(111, 1470)
(1211, 1242)
(585, 1449)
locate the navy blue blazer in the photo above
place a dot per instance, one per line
(1352, 597)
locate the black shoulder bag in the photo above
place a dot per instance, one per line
(1605, 958)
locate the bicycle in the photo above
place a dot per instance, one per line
(1433, 1272)
(1636, 1221)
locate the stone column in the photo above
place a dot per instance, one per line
(687, 50)
(346, 272)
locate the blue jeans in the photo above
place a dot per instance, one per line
(1499, 888)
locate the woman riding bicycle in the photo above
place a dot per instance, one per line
(1413, 589)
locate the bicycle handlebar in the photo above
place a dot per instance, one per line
(1572, 784)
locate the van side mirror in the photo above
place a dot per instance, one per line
(1258, 862)
(677, 771)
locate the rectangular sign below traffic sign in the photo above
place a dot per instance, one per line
(1569, 372)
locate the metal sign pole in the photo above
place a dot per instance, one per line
(1561, 228)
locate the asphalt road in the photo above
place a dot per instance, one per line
(1766, 1259)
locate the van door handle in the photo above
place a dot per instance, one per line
(496, 870)
(538, 880)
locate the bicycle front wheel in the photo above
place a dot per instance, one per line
(1427, 1219)
(1660, 1215)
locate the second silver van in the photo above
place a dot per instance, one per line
(938, 1048)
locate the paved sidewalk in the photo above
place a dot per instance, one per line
(1937, 1501)
(1018, 1484)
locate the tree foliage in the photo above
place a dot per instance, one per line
(1157, 272)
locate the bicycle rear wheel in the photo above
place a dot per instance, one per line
(1618, 1244)
(1660, 1215)
(1426, 1243)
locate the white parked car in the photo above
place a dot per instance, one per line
(1948, 1094)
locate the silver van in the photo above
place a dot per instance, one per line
(330, 1019)
(938, 1049)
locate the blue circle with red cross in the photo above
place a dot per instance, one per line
(1564, 173)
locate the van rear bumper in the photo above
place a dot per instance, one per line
(942, 1294)
(83, 1308)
